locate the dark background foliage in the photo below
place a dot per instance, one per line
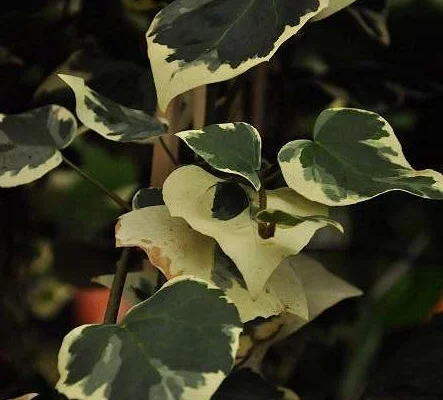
(340, 61)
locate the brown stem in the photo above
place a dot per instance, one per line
(162, 163)
(199, 107)
(258, 93)
(265, 230)
(117, 288)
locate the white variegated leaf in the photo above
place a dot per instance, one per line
(180, 344)
(196, 42)
(332, 8)
(189, 192)
(322, 290)
(354, 156)
(176, 249)
(234, 148)
(30, 143)
(111, 120)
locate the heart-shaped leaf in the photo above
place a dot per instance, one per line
(284, 219)
(30, 143)
(179, 344)
(111, 120)
(233, 148)
(176, 249)
(189, 193)
(354, 156)
(195, 42)
(322, 290)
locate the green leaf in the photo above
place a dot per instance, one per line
(284, 219)
(176, 249)
(189, 193)
(354, 156)
(230, 199)
(30, 143)
(147, 197)
(111, 120)
(233, 148)
(196, 42)
(333, 7)
(179, 344)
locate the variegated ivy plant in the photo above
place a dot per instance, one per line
(228, 248)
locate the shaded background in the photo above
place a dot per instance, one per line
(57, 233)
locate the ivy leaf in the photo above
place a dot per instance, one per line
(196, 42)
(163, 349)
(284, 219)
(111, 120)
(233, 148)
(30, 143)
(333, 7)
(176, 249)
(354, 156)
(230, 199)
(322, 290)
(189, 193)
(147, 197)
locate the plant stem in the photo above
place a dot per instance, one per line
(117, 288)
(168, 152)
(98, 185)
(265, 230)
(199, 107)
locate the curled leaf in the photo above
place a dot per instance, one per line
(284, 219)
(233, 148)
(111, 120)
(189, 193)
(176, 249)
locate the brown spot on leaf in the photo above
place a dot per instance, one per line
(118, 242)
(161, 262)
